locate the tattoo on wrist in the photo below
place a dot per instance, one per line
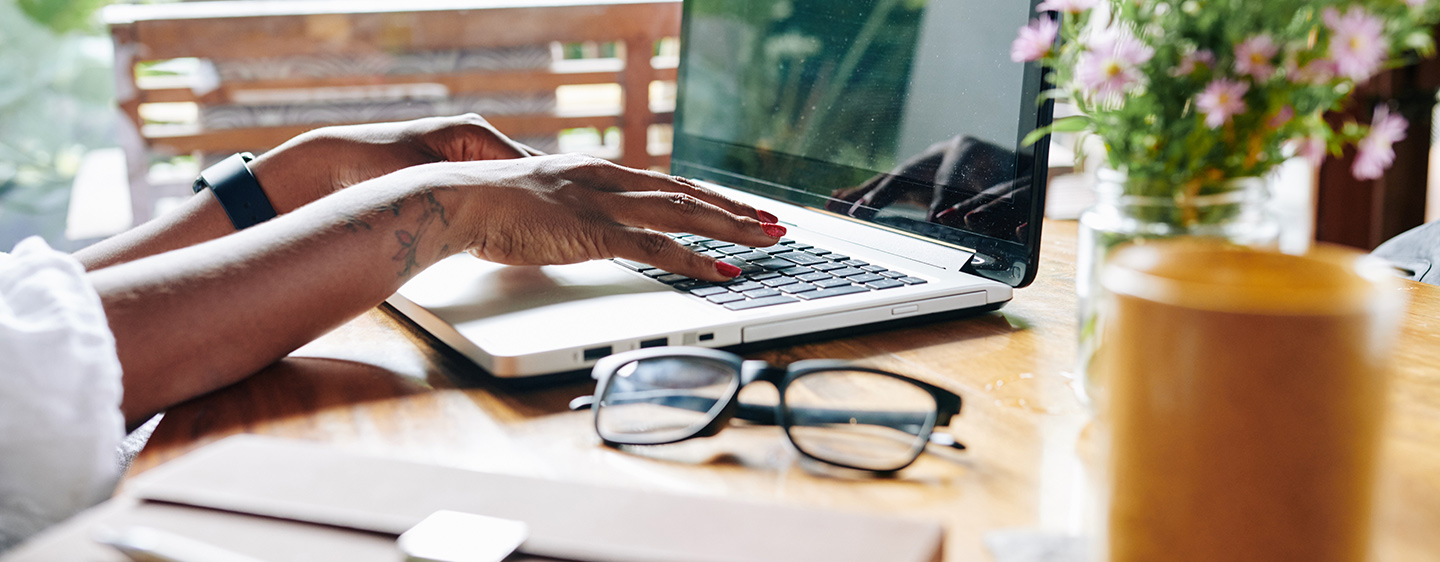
(430, 210)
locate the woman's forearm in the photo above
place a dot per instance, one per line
(201, 317)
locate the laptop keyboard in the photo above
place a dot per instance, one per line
(787, 272)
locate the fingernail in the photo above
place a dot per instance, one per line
(726, 269)
(767, 217)
(773, 230)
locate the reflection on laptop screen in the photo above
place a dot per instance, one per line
(906, 113)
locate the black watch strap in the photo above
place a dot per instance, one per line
(237, 190)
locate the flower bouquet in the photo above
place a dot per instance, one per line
(1197, 100)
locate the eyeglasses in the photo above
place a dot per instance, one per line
(831, 411)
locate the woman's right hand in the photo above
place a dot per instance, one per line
(572, 208)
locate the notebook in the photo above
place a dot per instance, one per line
(885, 135)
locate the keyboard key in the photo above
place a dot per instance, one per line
(797, 270)
(788, 241)
(732, 250)
(760, 293)
(865, 278)
(802, 258)
(890, 274)
(837, 257)
(884, 284)
(671, 278)
(797, 288)
(752, 256)
(707, 291)
(832, 282)
(773, 264)
(716, 244)
(835, 292)
(690, 284)
(763, 276)
(778, 281)
(801, 246)
(633, 265)
(746, 286)
(846, 272)
(757, 303)
(746, 267)
(913, 280)
(725, 298)
(713, 253)
(873, 268)
(827, 266)
(813, 277)
(652, 273)
(776, 249)
(855, 263)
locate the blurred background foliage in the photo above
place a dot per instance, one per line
(56, 103)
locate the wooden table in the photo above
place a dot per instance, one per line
(377, 386)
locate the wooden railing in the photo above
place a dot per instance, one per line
(229, 30)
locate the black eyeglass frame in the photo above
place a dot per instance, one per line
(947, 404)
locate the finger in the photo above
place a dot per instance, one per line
(659, 250)
(630, 179)
(682, 212)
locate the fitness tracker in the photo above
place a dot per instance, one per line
(237, 190)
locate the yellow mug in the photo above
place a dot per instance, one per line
(1244, 393)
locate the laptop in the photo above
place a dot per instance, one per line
(886, 136)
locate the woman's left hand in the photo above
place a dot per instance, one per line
(322, 161)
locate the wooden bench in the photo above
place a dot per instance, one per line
(220, 31)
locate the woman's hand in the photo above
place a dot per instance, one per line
(317, 163)
(572, 208)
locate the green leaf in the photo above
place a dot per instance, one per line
(1071, 124)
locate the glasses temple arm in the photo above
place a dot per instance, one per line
(908, 422)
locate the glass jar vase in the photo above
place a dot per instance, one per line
(1128, 211)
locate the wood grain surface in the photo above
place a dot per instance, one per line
(377, 386)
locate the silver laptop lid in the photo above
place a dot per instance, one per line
(907, 114)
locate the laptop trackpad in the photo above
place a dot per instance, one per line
(512, 310)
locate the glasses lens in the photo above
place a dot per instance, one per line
(859, 419)
(663, 399)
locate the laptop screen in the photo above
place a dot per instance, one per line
(904, 113)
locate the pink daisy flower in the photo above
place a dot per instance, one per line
(1066, 6)
(1281, 117)
(1111, 63)
(1253, 57)
(1221, 100)
(1375, 152)
(1035, 40)
(1188, 62)
(1315, 72)
(1356, 44)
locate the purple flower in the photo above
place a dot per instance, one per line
(1375, 153)
(1309, 148)
(1035, 40)
(1253, 57)
(1110, 64)
(1315, 72)
(1066, 6)
(1281, 117)
(1221, 100)
(1188, 62)
(1356, 44)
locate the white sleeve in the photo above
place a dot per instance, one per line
(60, 418)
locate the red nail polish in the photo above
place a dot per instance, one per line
(767, 217)
(726, 269)
(773, 230)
